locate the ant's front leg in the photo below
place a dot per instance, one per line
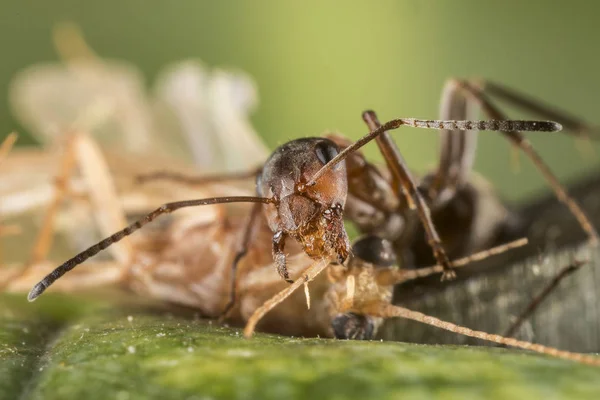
(279, 256)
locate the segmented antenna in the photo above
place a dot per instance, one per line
(491, 125)
(388, 310)
(40, 287)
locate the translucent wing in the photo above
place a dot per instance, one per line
(212, 111)
(107, 99)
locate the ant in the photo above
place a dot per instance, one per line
(303, 188)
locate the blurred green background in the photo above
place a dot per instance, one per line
(318, 64)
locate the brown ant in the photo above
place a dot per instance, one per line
(303, 186)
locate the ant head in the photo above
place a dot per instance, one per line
(310, 214)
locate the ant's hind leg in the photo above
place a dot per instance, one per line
(405, 183)
(517, 138)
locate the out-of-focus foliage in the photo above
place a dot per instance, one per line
(319, 64)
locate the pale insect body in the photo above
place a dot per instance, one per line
(337, 299)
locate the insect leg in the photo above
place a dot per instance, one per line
(7, 144)
(387, 310)
(399, 170)
(393, 276)
(279, 256)
(519, 140)
(45, 235)
(537, 300)
(457, 147)
(571, 123)
(167, 208)
(308, 275)
(197, 180)
(243, 245)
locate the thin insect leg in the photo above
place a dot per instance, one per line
(400, 171)
(493, 125)
(519, 140)
(7, 144)
(197, 180)
(279, 239)
(387, 310)
(107, 209)
(309, 274)
(393, 276)
(45, 235)
(571, 123)
(5, 148)
(243, 246)
(167, 208)
(537, 300)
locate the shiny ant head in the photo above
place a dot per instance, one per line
(313, 215)
(357, 286)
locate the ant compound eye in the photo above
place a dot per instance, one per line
(326, 150)
(374, 250)
(353, 326)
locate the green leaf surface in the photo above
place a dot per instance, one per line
(63, 347)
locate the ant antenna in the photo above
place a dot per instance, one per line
(167, 208)
(490, 125)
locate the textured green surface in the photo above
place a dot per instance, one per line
(53, 350)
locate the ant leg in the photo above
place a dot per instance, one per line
(279, 256)
(394, 275)
(197, 180)
(401, 174)
(243, 245)
(387, 311)
(572, 123)
(520, 141)
(457, 147)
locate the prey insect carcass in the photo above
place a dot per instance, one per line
(305, 198)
